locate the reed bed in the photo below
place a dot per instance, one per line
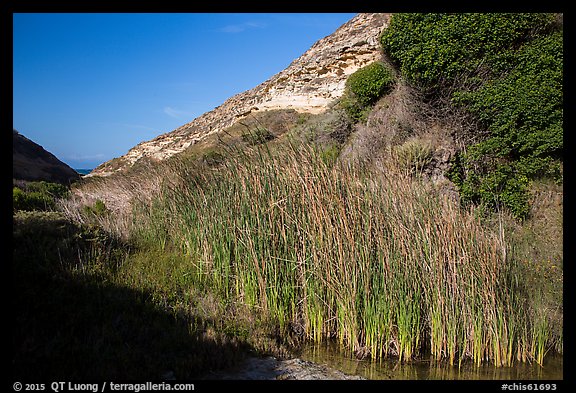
(379, 263)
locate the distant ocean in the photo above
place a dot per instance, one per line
(83, 171)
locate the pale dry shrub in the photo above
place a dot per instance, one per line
(118, 192)
(413, 155)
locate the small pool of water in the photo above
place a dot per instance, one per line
(425, 370)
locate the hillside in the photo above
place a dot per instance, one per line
(31, 162)
(309, 84)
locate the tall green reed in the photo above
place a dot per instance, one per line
(384, 264)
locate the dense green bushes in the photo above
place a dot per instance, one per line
(37, 195)
(505, 70)
(364, 87)
(434, 49)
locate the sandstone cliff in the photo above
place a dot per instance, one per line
(309, 84)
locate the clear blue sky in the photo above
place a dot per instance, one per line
(88, 87)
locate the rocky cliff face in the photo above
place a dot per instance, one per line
(32, 162)
(309, 84)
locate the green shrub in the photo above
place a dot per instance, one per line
(434, 49)
(98, 209)
(364, 88)
(17, 198)
(524, 112)
(53, 190)
(506, 70)
(329, 155)
(37, 196)
(213, 158)
(370, 83)
(354, 110)
(258, 136)
(22, 200)
(413, 155)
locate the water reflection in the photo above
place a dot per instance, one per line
(425, 370)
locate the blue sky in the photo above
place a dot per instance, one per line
(88, 87)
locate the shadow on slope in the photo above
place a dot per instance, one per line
(72, 322)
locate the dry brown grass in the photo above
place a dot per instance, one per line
(404, 133)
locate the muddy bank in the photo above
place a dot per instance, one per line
(270, 368)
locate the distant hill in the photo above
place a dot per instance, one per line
(32, 162)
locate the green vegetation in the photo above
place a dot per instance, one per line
(272, 248)
(413, 155)
(257, 137)
(98, 209)
(90, 306)
(327, 250)
(364, 88)
(212, 158)
(79, 316)
(506, 71)
(37, 195)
